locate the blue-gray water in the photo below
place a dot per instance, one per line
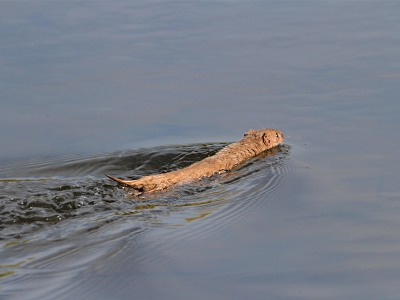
(133, 88)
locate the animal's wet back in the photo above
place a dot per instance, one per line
(253, 143)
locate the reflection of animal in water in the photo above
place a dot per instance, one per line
(253, 143)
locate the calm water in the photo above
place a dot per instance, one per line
(130, 89)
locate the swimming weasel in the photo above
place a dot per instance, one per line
(254, 142)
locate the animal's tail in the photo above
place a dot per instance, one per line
(128, 182)
(132, 183)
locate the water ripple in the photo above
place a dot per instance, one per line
(74, 189)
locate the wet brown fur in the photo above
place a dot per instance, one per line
(253, 143)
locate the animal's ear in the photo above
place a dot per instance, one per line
(266, 140)
(250, 131)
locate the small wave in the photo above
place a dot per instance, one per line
(73, 189)
(66, 217)
(239, 195)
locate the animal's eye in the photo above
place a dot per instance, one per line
(277, 135)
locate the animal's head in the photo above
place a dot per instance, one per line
(268, 136)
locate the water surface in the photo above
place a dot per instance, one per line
(131, 89)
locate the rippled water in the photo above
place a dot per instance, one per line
(76, 190)
(59, 203)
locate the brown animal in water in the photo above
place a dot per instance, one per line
(253, 143)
